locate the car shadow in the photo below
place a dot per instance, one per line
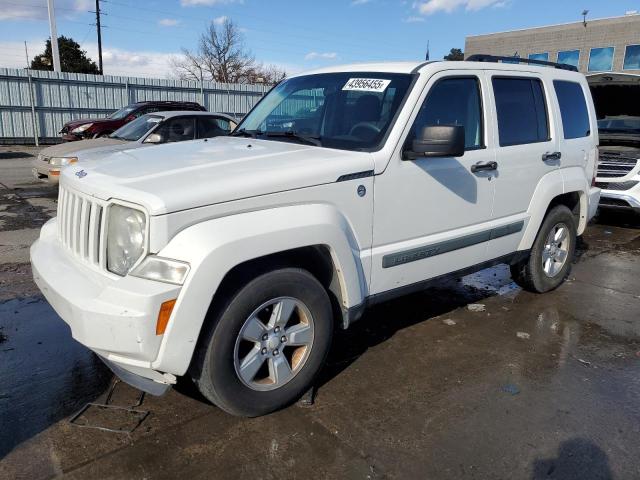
(10, 155)
(578, 459)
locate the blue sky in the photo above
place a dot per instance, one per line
(141, 35)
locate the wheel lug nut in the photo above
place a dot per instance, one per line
(283, 339)
(265, 337)
(264, 351)
(277, 329)
(276, 352)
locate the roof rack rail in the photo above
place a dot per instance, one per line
(497, 58)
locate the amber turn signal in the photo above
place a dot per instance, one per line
(163, 317)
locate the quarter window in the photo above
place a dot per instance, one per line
(453, 102)
(632, 58)
(521, 109)
(569, 57)
(573, 109)
(601, 59)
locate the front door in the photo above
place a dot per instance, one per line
(431, 214)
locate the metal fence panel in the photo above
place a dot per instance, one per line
(61, 97)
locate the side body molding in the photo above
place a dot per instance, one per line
(214, 247)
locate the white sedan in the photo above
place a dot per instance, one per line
(150, 129)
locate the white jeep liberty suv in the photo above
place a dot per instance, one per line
(230, 259)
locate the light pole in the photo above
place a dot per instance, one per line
(54, 37)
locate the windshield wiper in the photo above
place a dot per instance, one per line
(243, 132)
(309, 140)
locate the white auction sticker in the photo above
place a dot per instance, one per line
(367, 84)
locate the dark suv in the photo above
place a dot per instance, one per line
(103, 127)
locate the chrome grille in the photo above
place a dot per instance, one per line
(615, 164)
(79, 225)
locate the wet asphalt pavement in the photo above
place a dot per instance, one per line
(517, 386)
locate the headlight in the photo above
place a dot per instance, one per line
(162, 270)
(126, 229)
(62, 161)
(82, 128)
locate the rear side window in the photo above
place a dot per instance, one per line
(521, 109)
(573, 109)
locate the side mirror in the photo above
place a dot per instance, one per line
(438, 141)
(153, 138)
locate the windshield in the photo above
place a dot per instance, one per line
(621, 124)
(350, 111)
(135, 130)
(120, 114)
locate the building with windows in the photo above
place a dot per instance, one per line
(603, 45)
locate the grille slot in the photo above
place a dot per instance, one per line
(79, 224)
(615, 164)
(621, 186)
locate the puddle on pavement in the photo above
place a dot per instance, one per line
(45, 375)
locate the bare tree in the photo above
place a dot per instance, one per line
(222, 57)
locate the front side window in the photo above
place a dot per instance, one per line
(573, 109)
(347, 110)
(521, 109)
(601, 59)
(539, 56)
(136, 129)
(569, 57)
(632, 58)
(209, 127)
(453, 102)
(177, 129)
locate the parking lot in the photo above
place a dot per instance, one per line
(470, 379)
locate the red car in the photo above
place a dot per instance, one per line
(103, 127)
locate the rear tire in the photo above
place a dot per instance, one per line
(266, 344)
(549, 262)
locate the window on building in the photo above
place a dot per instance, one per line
(573, 109)
(453, 101)
(539, 56)
(632, 58)
(601, 59)
(569, 57)
(522, 113)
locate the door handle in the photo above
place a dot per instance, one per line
(549, 156)
(483, 167)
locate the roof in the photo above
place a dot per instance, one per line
(385, 67)
(415, 67)
(168, 102)
(177, 113)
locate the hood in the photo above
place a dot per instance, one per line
(83, 147)
(184, 175)
(76, 123)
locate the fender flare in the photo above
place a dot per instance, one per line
(552, 185)
(214, 247)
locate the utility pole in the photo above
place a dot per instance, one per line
(34, 123)
(99, 36)
(54, 37)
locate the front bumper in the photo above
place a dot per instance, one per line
(621, 199)
(113, 316)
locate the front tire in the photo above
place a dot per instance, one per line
(549, 262)
(266, 345)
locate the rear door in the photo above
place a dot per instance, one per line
(528, 149)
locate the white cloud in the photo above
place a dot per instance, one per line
(220, 20)
(15, 10)
(168, 22)
(360, 2)
(207, 3)
(430, 7)
(413, 19)
(321, 55)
